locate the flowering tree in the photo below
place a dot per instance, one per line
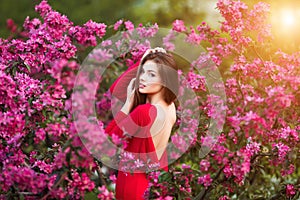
(255, 156)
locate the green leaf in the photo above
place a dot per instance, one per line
(164, 177)
(90, 196)
(27, 66)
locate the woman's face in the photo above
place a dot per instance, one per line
(149, 80)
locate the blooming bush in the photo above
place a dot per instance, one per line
(256, 155)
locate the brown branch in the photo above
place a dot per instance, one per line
(203, 193)
(263, 61)
(58, 182)
(100, 174)
(257, 155)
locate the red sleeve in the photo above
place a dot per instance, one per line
(140, 117)
(110, 129)
(119, 87)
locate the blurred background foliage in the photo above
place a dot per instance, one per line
(284, 17)
(164, 12)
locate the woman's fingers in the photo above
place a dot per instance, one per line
(132, 83)
(130, 88)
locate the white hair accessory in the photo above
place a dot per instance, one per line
(159, 49)
(156, 49)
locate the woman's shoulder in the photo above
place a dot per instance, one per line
(145, 107)
(166, 112)
(145, 112)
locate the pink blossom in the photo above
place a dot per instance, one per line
(105, 194)
(179, 142)
(253, 148)
(118, 44)
(43, 8)
(101, 55)
(47, 168)
(96, 28)
(290, 190)
(40, 135)
(165, 198)
(146, 32)
(282, 150)
(287, 132)
(178, 25)
(106, 43)
(138, 163)
(117, 24)
(86, 35)
(59, 193)
(167, 41)
(81, 183)
(225, 197)
(196, 81)
(185, 166)
(113, 178)
(154, 176)
(116, 139)
(288, 171)
(202, 62)
(129, 26)
(227, 171)
(204, 165)
(206, 180)
(194, 38)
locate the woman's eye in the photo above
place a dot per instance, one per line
(152, 75)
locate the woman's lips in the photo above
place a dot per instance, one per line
(142, 86)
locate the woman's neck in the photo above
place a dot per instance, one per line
(155, 98)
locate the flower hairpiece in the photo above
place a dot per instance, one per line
(155, 50)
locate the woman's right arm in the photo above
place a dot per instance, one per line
(124, 121)
(124, 124)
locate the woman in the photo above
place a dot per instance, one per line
(145, 120)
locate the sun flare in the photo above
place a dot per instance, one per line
(285, 22)
(288, 18)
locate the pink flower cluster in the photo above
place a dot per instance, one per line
(78, 184)
(42, 155)
(25, 178)
(105, 194)
(206, 180)
(37, 74)
(262, 108)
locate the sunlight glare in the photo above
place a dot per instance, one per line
(288, 18)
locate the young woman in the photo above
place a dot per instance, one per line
(145, 120)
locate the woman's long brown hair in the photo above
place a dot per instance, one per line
(167, 69)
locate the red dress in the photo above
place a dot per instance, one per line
(137, 124)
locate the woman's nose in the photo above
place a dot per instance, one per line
(142, 77)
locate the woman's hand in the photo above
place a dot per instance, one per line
(130, 89)
(130, 95)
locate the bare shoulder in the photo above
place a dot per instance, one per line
(166, 116)
(160, 112)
